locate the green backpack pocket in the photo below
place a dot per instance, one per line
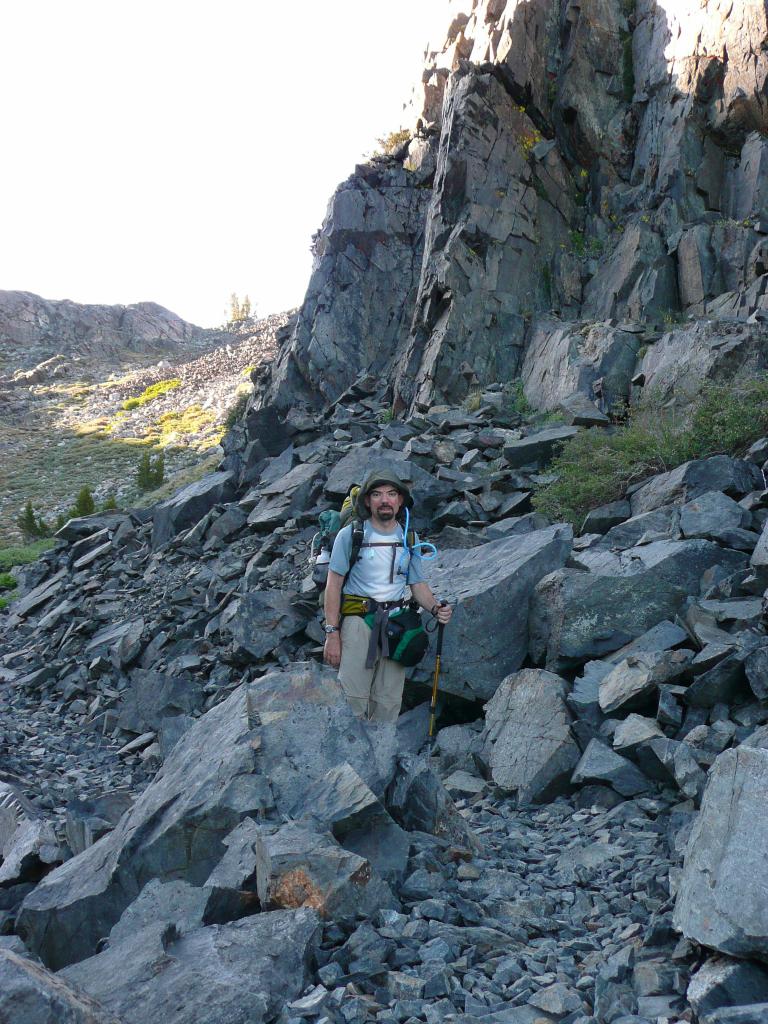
(408, 640)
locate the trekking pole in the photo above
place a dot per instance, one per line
(435, 679)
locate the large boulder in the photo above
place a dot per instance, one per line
(273, 502)
(721, 897)
(31, 995)
(297, 867)
(242, 972)
(258, 622)
(527, 740)
(537, 449)
(256, 753)
(734, 477)
(578, 616)
(189, 505)
(490, 587)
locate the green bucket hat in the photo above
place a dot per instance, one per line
(381, 475)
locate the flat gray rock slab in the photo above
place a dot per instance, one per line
(29, 994)
(242, 973)
(721, 981)
(632, 681)
(537, 448)
(721, 900)
(528, 741)
(734, 477)
(490, 588)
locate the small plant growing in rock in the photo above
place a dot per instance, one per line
(474, 400)
(109, 503)
(515, 400)
(236, 411)
(7, 581)
(389, 144)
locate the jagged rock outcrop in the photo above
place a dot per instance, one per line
(33, 329)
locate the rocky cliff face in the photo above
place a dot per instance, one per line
(571, 163)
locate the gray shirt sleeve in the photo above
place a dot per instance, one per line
(342, 551)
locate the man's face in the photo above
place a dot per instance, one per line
(384, 502)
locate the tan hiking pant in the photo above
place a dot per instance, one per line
(373, 693)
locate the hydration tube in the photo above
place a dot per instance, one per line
(422, 548)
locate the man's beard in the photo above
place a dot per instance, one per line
(385, 514)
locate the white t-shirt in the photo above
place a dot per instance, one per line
(373, 574)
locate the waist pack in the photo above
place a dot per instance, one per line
(407, 639)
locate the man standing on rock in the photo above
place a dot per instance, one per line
(375, 582)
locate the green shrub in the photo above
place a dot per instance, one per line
(392, 142)
(110, 503)
(236, 411)
(10, 557)
(598, 466)
(515, 400)
(162, 387)
(7, 582)
(31, 524)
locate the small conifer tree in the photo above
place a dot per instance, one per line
(144, 473)
(245, 309)
(235, 313)
(151, 472)
(27, 522)
(84, 503)
(158, 470)
(109, 503)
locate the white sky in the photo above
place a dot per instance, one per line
(179, 150)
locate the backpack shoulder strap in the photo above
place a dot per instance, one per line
(358, 533)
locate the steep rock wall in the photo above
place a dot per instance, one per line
(594, 161)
